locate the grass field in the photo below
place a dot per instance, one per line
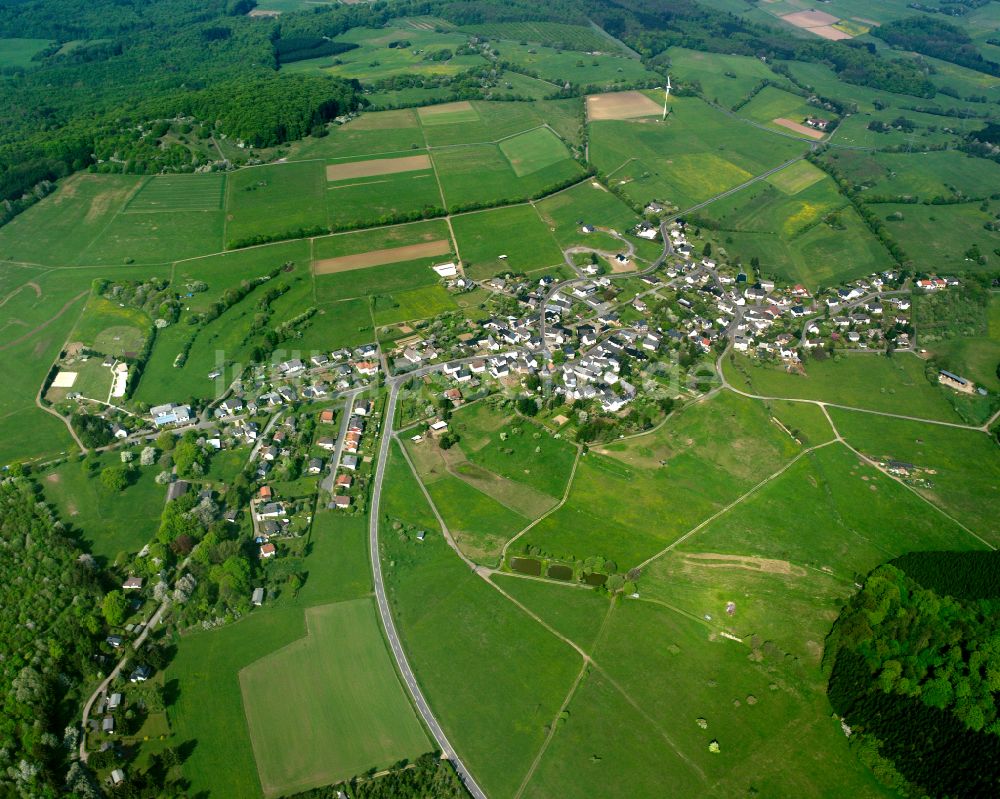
(937, 237)
(533, 151)
(328, 706)
(872, 382)
(514, 673)
(964, 476)
(673, 479)
(275, 199)
(110, 329)
(977, 356)
(554, 34)
(405, 306)
(107, 522)
(936, 174)
(179, 193)
(368, 134)
(772, 103)
(476, 122)
(606, 70)
(516, 232)
(588, 203)
(696, 154)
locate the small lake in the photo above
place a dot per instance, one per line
(595, 579)
(560, 572)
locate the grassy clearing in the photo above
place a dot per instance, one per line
(369, 134)
(107, 522)
(18, 52)
(329, 705)
(963, 466)
(515, 674)
(803, 420)
(872, 382)
(406, 306)
(697, 153)
(674, 478)
(602, 71)
(108, 328)
(203, 677)
(516, 232)
(937, 237)
(346, 323)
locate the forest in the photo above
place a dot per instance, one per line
(427, 776)
(50, 628)
(917, 672)
(936, 38)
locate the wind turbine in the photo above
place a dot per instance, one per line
(666, 97)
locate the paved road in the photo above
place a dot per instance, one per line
(338, 449)
(383, 603)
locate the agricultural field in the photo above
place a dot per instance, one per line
(380, 190)
(370, 134)
(974, 356)
(276, 200)
(940, 238)
(342, 709)
(476, 122)
(696, 154)
(566, 212)
(601, 71)
(935, 174)
(515, 232)
(552, 34)
(772, 104)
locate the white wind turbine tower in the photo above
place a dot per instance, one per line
(666, 97)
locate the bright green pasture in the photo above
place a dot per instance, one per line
(666, 482)
(516, 232)
(532, 151)
(796, 177)
(328, 706)
(385, 279)
(389, 99)
(107, 522)
(406, 306)
(696, 154)
(155, 237)
(514, 673)
(872, 382)
(525, 86)
(724, 79)
(18, 52)
(965, 464)
(599, 72)
(381, 239)
(56, 230)
(276, 199)
(346, 323)
(565, 117)
(803, 420)
(587, 203)
(575, 612)
(936, 237)
(380, 199)
(204, 676)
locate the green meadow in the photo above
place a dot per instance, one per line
(18, 52)
(516, 232)
(599, 71)
(938, 237)
(724, 79)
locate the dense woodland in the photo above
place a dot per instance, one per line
(915, 673)
(937, 38)
(428, 777)
(49, 632)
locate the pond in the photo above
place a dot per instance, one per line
(560, 572)
(526, 566)
(595, 579)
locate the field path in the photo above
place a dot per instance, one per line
(47, 322)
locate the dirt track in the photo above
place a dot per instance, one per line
(346, 263)
(377, 166)
(805, 130)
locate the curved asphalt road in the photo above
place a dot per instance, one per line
(383, 603)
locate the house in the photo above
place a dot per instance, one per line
(315, 466)
(272, 510)
(114, 701)
(132, 584)
(741, 344)
(446, 270)
(178, 488)
(269, 453)
(141, 674)
(258, 597)
(349, 462)
(363, 408)
(587, 229)
(170, 413)
(118, 431)
(817, 123)
(343, 481)
(366, 368)
(439, 425)
(115, 641)
(268, 550)
(108, 725)
(117, 776)
(453, 395)
(328, 443)
(340, 501)
(265, 493)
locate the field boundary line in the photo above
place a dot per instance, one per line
(733, 504)
(552, 731)
(131, 195)
(620, 166)
(553, 509)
